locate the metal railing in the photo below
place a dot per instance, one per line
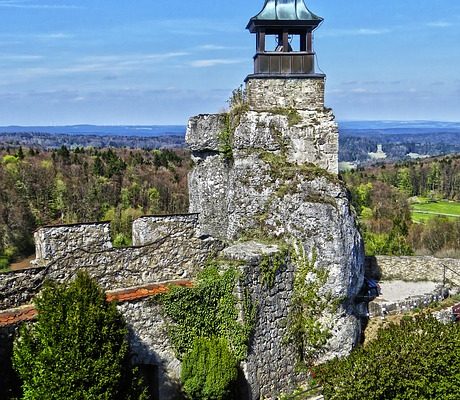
(444, 278)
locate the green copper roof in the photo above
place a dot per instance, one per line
(286, 10)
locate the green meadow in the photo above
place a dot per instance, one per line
(426, 210)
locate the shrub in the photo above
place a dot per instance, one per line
(4, 263)
(418, 359)
(77, 349)
(209, 370)
(209, 309)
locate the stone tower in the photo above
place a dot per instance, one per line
(266, 171)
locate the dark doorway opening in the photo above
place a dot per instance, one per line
(150, 374)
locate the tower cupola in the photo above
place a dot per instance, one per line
(291, 24)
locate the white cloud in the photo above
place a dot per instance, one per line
(20, 57)
(439, 24)
(106, 64)
(32, 5)
(212, 47)
(214, 62)
(216, 47)
(354, 32)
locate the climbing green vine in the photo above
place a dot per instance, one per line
(271, 265)
(208, 310)
(226, 139)
(238, 105)
(304, 328)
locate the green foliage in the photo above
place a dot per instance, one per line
(6, 257)
(9, 159)
(393, 244)
(154, 200)
(292, 115)
(207, 310)
(166, 158)
(77, 349)
(405, 182)
(238, 101)
(418, 359)
(281, 168)
(4, 263)
(304, 328)
(271, 265)
(209, 370)
(20, 153)
(226, 139)
(361, 196)
(121, 224)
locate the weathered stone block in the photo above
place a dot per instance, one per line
(299, 94)
(55, 241)
(151, 229)
(203, 132)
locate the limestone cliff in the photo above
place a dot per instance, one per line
(267, 171)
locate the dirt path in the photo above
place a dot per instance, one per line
(23, 264)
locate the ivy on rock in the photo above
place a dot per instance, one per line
(207, 310)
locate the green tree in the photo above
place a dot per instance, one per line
(98, 167)
(154, 200)
(362, 196)
(209, 370)
(418, 359)
(20, 153)
(434, 177)
(77, 349)
(405, 181)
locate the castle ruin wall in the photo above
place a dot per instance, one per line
(54, 240)
(413, 268)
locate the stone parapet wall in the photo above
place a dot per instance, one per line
(19, 287)
(53, 241)
(170, 248)
(299, 94)
(413, 269)
(151, 229)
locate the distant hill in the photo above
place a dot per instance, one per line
(399, 139)
(49, 137)
(358, 139)
(100, 130)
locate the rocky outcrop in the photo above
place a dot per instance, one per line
(269, 173)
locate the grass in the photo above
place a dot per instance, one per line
(425, 210)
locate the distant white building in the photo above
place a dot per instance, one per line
(379, 154)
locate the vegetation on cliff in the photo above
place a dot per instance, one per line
(206, 332)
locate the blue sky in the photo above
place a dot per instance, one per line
(161, 61)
